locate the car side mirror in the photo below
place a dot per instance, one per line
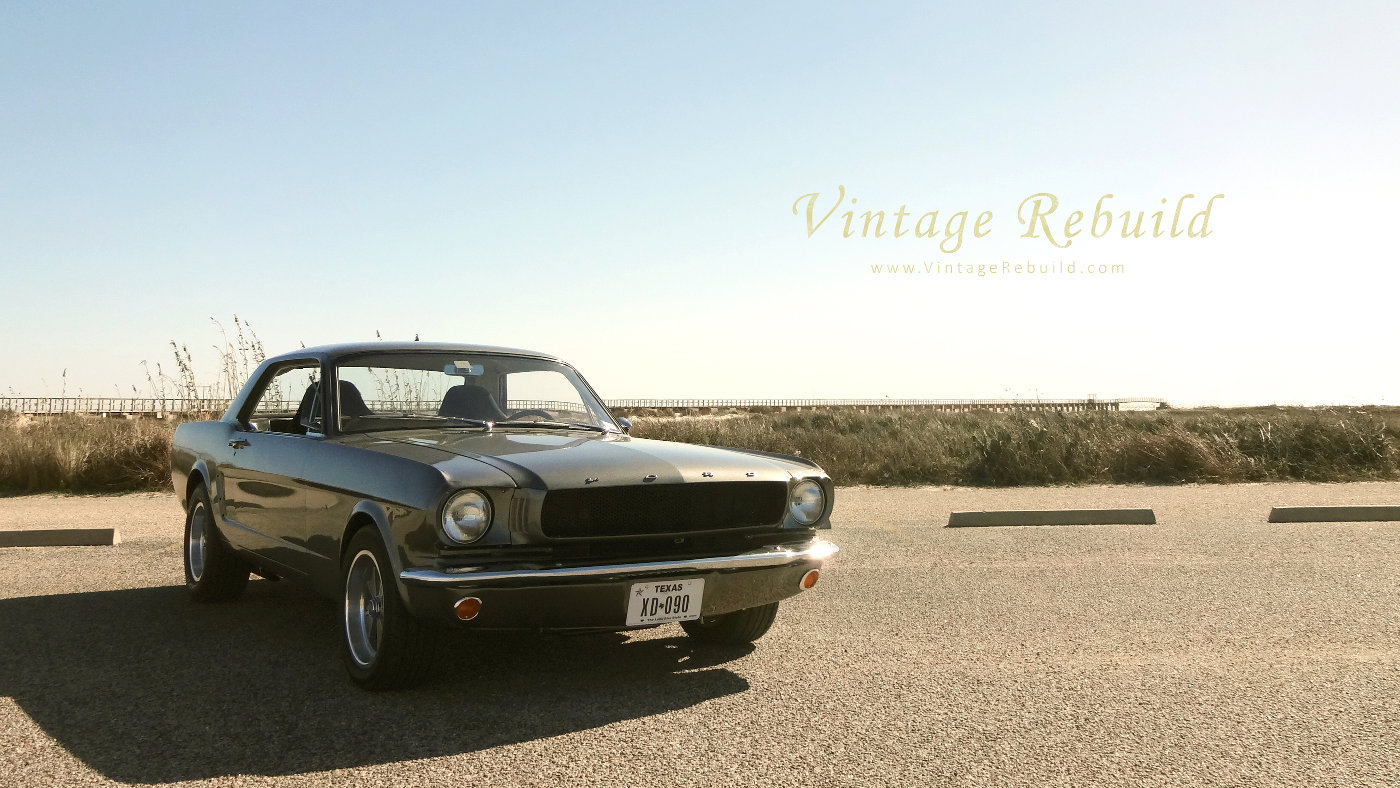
(625, 425)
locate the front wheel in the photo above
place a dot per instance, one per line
(212, 572)
(737, 628)
(383, 646)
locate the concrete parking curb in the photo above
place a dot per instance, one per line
(1053, 517)
(1334, 514)
(60, 537)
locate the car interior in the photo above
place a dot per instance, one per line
(310, 414)
(470, 401)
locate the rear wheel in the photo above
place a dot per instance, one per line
(741, 626)
(212, 572)
(383, 646)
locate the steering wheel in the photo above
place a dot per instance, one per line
(534, 412)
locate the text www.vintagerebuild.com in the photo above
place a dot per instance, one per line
(1003, 268)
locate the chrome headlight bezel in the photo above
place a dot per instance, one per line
(466, 516)
(805, 507)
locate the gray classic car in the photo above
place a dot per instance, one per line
(433, 486)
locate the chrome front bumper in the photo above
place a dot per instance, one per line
(758, 559)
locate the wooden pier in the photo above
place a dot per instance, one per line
(150, 407)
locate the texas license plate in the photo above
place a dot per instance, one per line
(660, 601)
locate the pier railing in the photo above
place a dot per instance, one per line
(165, 407)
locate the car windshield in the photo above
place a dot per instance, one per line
(412, 390)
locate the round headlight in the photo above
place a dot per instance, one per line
(807, 502)
(466, 516)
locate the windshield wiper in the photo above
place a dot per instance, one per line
(422, 417)
(568, 425)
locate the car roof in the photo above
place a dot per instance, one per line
(330, 353)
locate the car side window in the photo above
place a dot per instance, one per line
(290, 402)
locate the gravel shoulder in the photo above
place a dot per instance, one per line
(1210, 649)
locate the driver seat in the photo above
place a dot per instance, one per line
(309, 413)
(470, 401)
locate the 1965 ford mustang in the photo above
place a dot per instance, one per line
(431, 486)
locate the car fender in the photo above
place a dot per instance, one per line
(376, 514)
(202, 468)
(772, 455)
(373, 512)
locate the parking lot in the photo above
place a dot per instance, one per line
(1210, 649)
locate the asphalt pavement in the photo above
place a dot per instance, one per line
(1212, 648)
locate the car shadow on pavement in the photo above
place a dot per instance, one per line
(145, 686)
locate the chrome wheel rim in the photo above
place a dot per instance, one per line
(364, 608)
(194, 541)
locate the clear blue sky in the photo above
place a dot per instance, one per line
(614, 183)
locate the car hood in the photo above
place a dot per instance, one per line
(556, 459)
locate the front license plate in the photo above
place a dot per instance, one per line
(660, 601)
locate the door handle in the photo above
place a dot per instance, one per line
(238, 443)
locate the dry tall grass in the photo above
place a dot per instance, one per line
(81, 454)
(1008, 449)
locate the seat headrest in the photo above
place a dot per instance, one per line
(352, 404)
(470, 401)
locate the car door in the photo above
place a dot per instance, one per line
(264, 493)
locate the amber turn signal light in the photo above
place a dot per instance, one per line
(810, 579)
(467, 608)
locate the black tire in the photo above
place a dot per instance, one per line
(213, 573)
(737, 628)
(390, 649)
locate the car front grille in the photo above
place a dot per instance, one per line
(661, 509)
